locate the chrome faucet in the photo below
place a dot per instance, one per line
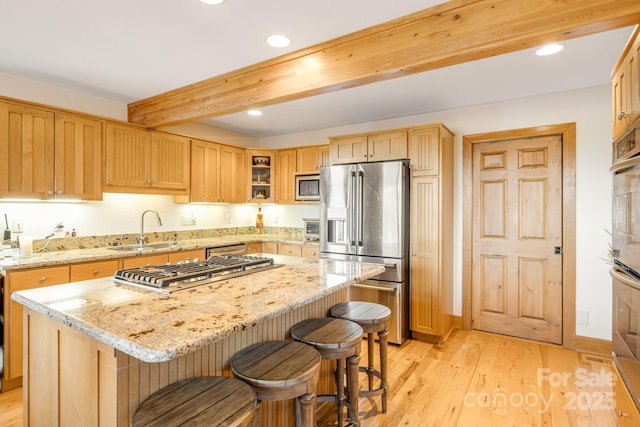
(141, 236)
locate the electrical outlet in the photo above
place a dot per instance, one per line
(275, 219)
(582, 318)
(227, 217)
(188, 220)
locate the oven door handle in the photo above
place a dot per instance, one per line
(622, 277)
(377, 288)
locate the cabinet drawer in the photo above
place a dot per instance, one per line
(270, 247)
(310, 251)
(254, 248)
(21, 280)
(140, 261)
(93, 270)
(190, 255)
(291, 250)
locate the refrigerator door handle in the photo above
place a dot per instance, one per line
(353, 210)
(360, 202)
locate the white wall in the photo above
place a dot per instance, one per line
(591, 110)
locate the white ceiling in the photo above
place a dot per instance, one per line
(126, 50)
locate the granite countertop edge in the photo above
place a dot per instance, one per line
(154, 355)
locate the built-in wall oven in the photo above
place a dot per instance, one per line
(626, 272)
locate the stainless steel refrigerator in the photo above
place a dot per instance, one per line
(364, 216)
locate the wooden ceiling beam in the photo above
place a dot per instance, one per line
(448, 34)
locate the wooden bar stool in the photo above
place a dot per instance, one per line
(336, 339)
(203, 401)
(372, 318)
(279, 370)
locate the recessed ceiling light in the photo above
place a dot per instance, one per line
(254, 113)
(549, 49)
(214, 2)
(278, 40)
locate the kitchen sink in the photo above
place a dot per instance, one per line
(148, 247)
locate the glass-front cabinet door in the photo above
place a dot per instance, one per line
(260, 167)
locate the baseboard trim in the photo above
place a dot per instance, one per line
(593, 346)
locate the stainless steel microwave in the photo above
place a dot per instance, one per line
(308, 187)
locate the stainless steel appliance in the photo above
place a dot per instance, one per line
(311, 229)
(170, 278)
(230, 249)
(364, 216)
(307, 187)
(626, 273)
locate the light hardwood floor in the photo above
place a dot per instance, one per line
(474, 379)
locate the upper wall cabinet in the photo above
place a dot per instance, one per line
(45, 155)
(142, 161)
(625, 86)
(309, 159)
(368, 148)
(26, 151)
(217, 173)
(286, 177)
(78, 157)
(261, 176)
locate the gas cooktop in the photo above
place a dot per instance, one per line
(173, 277)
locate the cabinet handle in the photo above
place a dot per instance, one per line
(413, 254)
(622, 414)
(622, 115)
(50, 193)
(96, 271)
(43, 279)
(59, 191)
(414, 169)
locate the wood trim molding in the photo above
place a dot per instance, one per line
(593, 346)
(568, 133)
(451, 33)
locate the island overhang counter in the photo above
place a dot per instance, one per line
(95, 349)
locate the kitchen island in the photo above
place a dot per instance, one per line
(95, 349)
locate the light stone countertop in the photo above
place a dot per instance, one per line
(154, 327)
(50, 259)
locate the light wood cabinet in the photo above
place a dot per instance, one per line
(20, 281)
(217, 173)
(232, 174)
(289, 249)
(625, 86)
(78, 157)
(205, 171)
(285, 191)
(310, 159)
(270, 247)
(431, 216)
(142, 161)
(260, 175)
(310, 251)
(26, 151)
(93, 270)
(391, 145)
(254, 248)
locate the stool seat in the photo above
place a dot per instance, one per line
(336, 339)
(203, 401)
(372, 318)
(279, 370)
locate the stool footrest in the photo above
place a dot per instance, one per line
(375, 391)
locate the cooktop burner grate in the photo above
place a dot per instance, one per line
(185, 275)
